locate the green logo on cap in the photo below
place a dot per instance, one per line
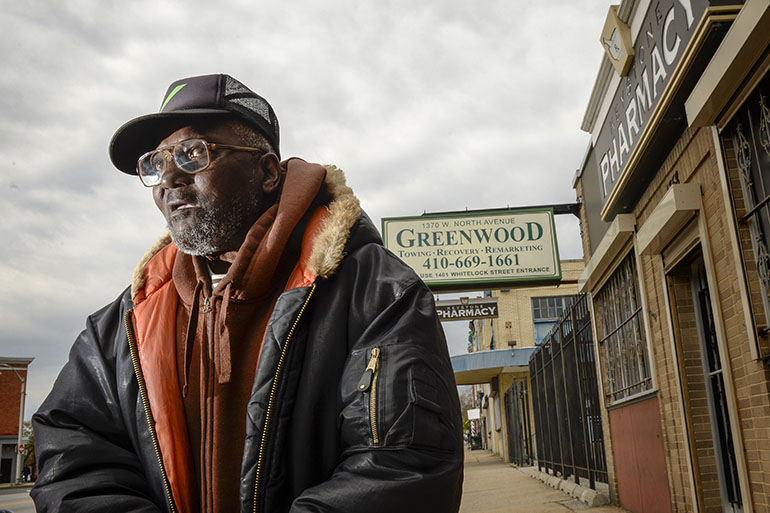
(171, 95)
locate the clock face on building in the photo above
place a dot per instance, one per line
(616, 40)
(612, 45)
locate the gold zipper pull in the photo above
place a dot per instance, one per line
(372, 366)
(371, 369)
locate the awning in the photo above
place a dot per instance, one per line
(482, 366)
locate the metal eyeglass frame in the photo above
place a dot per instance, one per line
(171, 149)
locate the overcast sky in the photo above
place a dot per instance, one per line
(427, 106)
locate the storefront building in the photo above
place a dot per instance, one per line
(497, 362)
(13, 380)
(675, 192)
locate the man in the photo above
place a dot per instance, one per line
(270, 354)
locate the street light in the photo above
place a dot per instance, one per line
(20, 457)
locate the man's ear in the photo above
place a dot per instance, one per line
(271, 173)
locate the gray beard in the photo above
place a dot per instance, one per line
(217, 228)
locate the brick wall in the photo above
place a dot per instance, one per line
(752, 379)
(10, 396)
(744, 235)
(696, 394)
(694, 160)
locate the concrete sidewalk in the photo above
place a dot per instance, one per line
(492, 486)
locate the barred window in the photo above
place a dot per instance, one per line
(549, 308)
(748, 134)
(622, 338)
(546, 312)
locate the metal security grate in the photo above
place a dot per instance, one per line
(565, 399)
(519, 426)
(621, 334)
(747, 137)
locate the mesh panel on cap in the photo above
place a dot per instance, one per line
(233, 86)
(254, 104)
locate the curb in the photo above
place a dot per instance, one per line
(586, 495)
(14, 486)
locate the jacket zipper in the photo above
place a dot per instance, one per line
(271, 401)
(207, 304)
(369, 379)
(146, 403)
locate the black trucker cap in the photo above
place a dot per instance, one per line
(188, 100)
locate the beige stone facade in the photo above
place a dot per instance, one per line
(515, 327)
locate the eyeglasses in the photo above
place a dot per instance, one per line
(191, 156)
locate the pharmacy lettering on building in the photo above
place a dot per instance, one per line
(464, 309)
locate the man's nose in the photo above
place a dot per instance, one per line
(173, 176)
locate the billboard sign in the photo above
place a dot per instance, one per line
(478, 248)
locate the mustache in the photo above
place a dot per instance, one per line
(181, 196)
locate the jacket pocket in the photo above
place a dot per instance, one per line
(428, 420)
(391, 397)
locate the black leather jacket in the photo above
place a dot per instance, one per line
(324, 434)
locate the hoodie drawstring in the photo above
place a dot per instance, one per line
(189, 339)
(223, 354)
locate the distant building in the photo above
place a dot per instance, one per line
(498, 360)
(13, 376)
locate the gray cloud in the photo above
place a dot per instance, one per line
(429, 106)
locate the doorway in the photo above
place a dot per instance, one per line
(700, 363)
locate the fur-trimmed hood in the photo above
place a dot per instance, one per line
(328, 246)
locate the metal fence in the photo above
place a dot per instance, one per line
(517, 415)
(565, 399)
